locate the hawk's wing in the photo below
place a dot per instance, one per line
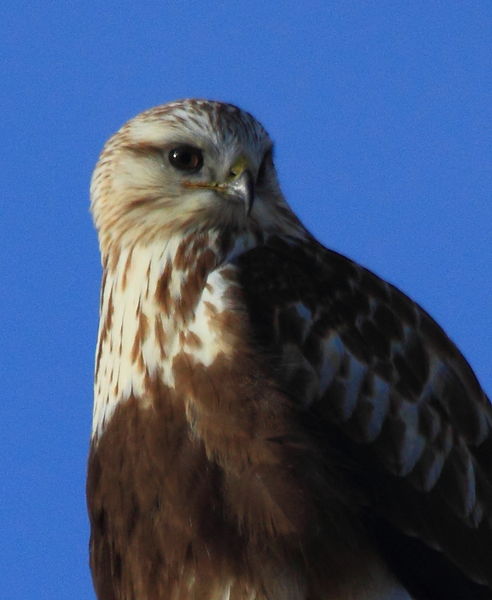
(382, 382)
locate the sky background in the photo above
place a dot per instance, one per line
(381, 112)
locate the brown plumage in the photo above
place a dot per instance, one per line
(271, 420)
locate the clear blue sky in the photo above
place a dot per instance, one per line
(382, 116)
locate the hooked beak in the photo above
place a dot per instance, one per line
(239, 185)
(242, 187)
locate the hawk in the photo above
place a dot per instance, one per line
(272, 421)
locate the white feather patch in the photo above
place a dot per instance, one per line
(119, 376)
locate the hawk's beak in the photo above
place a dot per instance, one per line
(240, 183)
(243, 188)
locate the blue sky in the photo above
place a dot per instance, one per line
(381, 112)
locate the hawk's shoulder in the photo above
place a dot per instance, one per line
(385, 381)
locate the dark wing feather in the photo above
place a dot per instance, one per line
(371, 365)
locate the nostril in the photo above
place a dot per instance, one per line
(233, 173)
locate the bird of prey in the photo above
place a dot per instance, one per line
(272, 421)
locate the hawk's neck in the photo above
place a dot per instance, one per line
(157, 304)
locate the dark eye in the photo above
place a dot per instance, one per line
(186, 158)
(265, 164)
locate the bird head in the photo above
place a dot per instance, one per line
(184, 167)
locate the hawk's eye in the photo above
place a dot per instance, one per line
(186, 158)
